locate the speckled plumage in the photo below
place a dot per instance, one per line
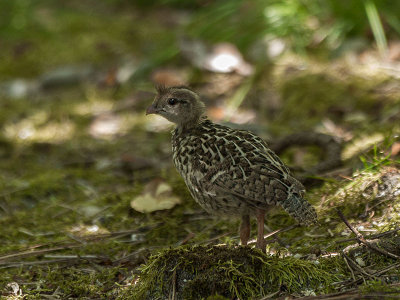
(228, 171)
(233, 172)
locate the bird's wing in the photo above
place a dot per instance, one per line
(250, 171)
(228, 163)
(260, 145)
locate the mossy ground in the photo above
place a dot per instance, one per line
(197, 272)
(66, 226)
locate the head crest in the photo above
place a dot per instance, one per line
(162, 89)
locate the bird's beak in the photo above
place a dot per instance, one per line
(151, 110)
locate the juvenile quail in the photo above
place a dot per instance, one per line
(228, 172)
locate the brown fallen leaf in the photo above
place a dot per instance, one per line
(226, 58)
(395, 149)
(170, 77)
(219, 58)
(157, 195)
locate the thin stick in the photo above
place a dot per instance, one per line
(14, 264)
(173, 296)
(348, 266)
(63, 246)
(280, 230)
(353, 295)
(357, 267)
(186, 239)
(38, 252)
(362, 240)
(269, 296)
(383, 271)
(377, 273)
(133, 254)
(371, 236)
(275, 232)
(216, 238)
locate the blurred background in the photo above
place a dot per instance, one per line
(77, 74)
(287, 60)
(88, 67)
(76, 149)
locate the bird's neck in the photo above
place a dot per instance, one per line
(185, 127)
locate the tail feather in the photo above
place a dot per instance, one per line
(300, 209)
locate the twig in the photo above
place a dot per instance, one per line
(63, 246)
(275, 237)
(273, 233)
(173, 296)
(71, 256)
(186, 239)
(76, 239)
(377, 273)
(216, 238)
(361, 239)
(338, 295)
(134, 254)
(383, 271)
(371, 236)
(353, 295)
(357, 267)
(280, 230)
(348, 266)
(269, 296)
(37, 252)
(90, 262)
(14, 264)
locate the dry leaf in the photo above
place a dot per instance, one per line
(170, 77)
(395, 149)
(226, 58)
(105, 126)
(157, 195)
(221, 58)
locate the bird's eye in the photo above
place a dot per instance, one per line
(172, 101)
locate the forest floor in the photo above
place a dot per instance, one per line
(91, 206)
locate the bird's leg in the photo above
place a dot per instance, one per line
(260, 229)
(245, 229)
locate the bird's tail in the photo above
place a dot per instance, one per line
(300, 209)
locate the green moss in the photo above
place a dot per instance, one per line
(199, 272)
(82, 283)
(378, 286)
(309, 95)
(353, 196)
(216, 297)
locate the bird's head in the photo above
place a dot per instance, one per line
(178, 104)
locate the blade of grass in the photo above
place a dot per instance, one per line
(241, 93)
(376, 26)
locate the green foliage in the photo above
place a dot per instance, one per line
(27, 26)
(309, 95)
(239, 21)
(376, 161)
(300, 23)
